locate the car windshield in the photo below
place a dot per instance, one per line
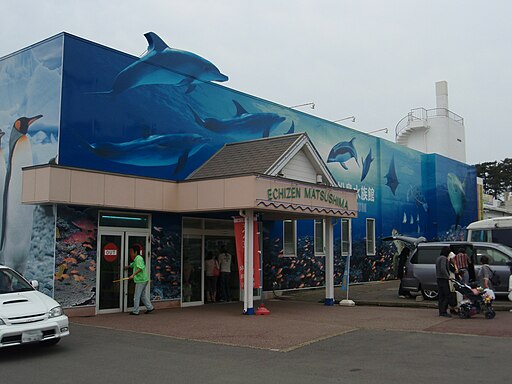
(12, 282)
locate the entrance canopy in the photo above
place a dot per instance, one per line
(53, 184)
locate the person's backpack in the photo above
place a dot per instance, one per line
(494, 278)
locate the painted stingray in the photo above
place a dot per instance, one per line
(457, 193)
(342, 152)
(164, 65)
(243, 124)
(392, 180)
(366, 164)
(415, 195)
(155, 150)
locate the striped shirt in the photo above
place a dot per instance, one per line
(461, 260)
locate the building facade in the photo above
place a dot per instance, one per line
(114, 127)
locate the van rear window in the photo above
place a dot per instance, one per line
(426, 255)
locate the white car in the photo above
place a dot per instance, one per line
(27, 315)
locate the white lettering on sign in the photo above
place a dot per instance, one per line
(110, 252)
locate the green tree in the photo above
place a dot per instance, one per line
(497, 176)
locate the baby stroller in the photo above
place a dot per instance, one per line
(475, 301)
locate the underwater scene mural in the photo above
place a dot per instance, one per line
(76, 256)
(163, 114)
(166, 257)
(29, 131)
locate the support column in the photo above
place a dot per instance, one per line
(249, 262)
(329, 262)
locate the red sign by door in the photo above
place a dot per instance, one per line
(110, 252)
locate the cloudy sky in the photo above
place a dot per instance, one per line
(375, 59)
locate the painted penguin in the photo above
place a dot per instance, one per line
(17, 219)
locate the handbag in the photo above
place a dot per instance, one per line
(216, 269)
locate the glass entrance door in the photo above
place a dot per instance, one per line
(140, 240)
(115, 291)
(110, 261)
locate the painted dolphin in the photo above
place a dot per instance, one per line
(291, 130)
(342, 152)
(243, 124)
(415, 195)
(155, 150)
(392, 180)
(164, 65)
(457, 193)
(366, 164)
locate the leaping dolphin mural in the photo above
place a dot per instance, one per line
(164, 65)
(366, 164)
(155, 150)
(243, 125)
(343, 152)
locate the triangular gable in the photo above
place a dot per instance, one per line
(302, 162)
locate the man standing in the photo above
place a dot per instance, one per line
(443, 276)
(140, 278)
(225, 274)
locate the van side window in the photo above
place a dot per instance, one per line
(495, 256)
(502, 236)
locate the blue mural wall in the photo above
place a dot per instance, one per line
(29, 132)
(163, 114)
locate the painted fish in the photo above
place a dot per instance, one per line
(243, 125)
(366, 164)
(392, 180)
(342, 152)
(457, 193)
(155, 150)
(164, 65)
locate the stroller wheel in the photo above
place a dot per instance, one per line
(463, 312)
(490, 314)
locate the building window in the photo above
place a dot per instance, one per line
(319, 237)
(346, 237)
(370, 236)
(290, 237)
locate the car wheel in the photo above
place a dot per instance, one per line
(429, 294)
(50, 342)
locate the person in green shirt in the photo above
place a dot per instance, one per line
(140, 278)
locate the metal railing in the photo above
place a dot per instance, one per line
(422, 114)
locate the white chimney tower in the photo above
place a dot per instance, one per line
(435, 130)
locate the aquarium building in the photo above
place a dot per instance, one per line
(102, 150)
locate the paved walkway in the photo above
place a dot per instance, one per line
(296, 321)
(380, 293)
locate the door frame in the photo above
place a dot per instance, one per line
(124, 233)
(203, 233)
(201, 301)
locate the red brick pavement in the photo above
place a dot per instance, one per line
(292, 324)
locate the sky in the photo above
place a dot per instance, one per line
(372, 59)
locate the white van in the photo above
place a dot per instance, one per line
(495, 230)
